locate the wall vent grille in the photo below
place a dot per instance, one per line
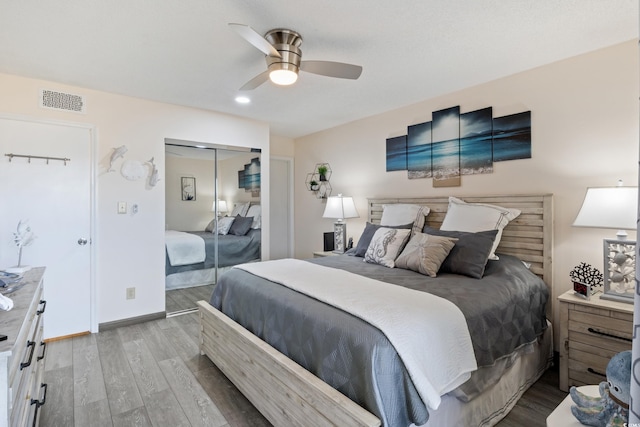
(62, 101)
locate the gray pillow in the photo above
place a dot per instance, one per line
(241, 225)
(470, 254)
(425, 253)
(211, 226)
(367, 235)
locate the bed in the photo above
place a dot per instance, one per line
(288, 394)
(191, 256)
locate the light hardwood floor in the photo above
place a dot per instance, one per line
(152, 374)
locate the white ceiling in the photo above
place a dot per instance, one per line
(182, 51)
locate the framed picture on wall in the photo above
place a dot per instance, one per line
(188, 186)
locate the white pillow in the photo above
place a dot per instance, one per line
(386, 244)
(256, 212)
(401, 214)
(240, 209)
(473, 217)
(224, 224)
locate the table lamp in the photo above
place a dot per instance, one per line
(340, 208)
(616, 208)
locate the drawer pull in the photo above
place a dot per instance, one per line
(44, 349)
(594, 331)
(31, 344)
(38, 404)
(44, 396)
(44, 307)
(593, 371)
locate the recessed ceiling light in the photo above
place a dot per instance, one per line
(241, 99)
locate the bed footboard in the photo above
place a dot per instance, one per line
(284, 392)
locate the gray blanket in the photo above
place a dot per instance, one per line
(233, 250)
(504, 310)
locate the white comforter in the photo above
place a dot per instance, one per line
(184, 248)
(429, 333)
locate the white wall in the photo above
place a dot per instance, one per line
(584, 133)
(130, 249)
(192, 215)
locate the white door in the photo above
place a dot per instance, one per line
(281, 208)
(55, 198)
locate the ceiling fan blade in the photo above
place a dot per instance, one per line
(332, 69)
(250, 35)
(256, 81)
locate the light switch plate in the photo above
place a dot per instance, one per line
(122, 207)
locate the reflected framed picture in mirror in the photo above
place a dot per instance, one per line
(188, 186)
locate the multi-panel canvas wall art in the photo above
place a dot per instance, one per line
(249, 177)
(455, 144)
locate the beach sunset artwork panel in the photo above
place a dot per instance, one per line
(512, 137)
(445, 150)
(476, 142)
(397, 153)
(419, 151)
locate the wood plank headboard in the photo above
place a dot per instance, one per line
(528, 237)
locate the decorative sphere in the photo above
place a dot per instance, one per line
(617, 277)
(619, 258)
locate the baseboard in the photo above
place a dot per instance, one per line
(131, 321)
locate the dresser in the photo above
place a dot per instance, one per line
(22, 354)
(591, 332)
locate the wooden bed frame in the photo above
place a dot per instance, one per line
(287, 394)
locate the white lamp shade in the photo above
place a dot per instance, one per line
(340, 208)
(609, 207)
(222, 206)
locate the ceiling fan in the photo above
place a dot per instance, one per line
(284, 58)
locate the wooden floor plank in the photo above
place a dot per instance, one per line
(59, 355)
(94, 414)
(134, 418)
(192, 398)
(165, 410)
(58, 409)
(123, 393)
(88, 382)
(145, 369)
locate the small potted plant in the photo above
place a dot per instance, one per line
(322, 171)
(314, 186)
(585, 279)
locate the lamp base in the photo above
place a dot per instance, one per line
(339, 237)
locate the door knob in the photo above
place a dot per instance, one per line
(82, 241)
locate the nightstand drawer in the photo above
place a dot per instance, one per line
(602, 326)
(591, 332)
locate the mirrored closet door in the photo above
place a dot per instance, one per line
(212, 216)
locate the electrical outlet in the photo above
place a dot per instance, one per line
(131, 293)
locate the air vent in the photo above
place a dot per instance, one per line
(62, 101)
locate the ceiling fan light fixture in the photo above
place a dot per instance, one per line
(283, 77)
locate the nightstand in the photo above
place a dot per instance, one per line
(320, 254)
(591, 332)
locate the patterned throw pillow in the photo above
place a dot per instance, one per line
(385, 246)
(425, 253)
(224, 224)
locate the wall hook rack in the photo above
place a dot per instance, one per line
(29, 157)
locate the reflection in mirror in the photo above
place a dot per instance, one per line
(215, 226)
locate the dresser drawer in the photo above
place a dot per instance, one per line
(28, 387)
